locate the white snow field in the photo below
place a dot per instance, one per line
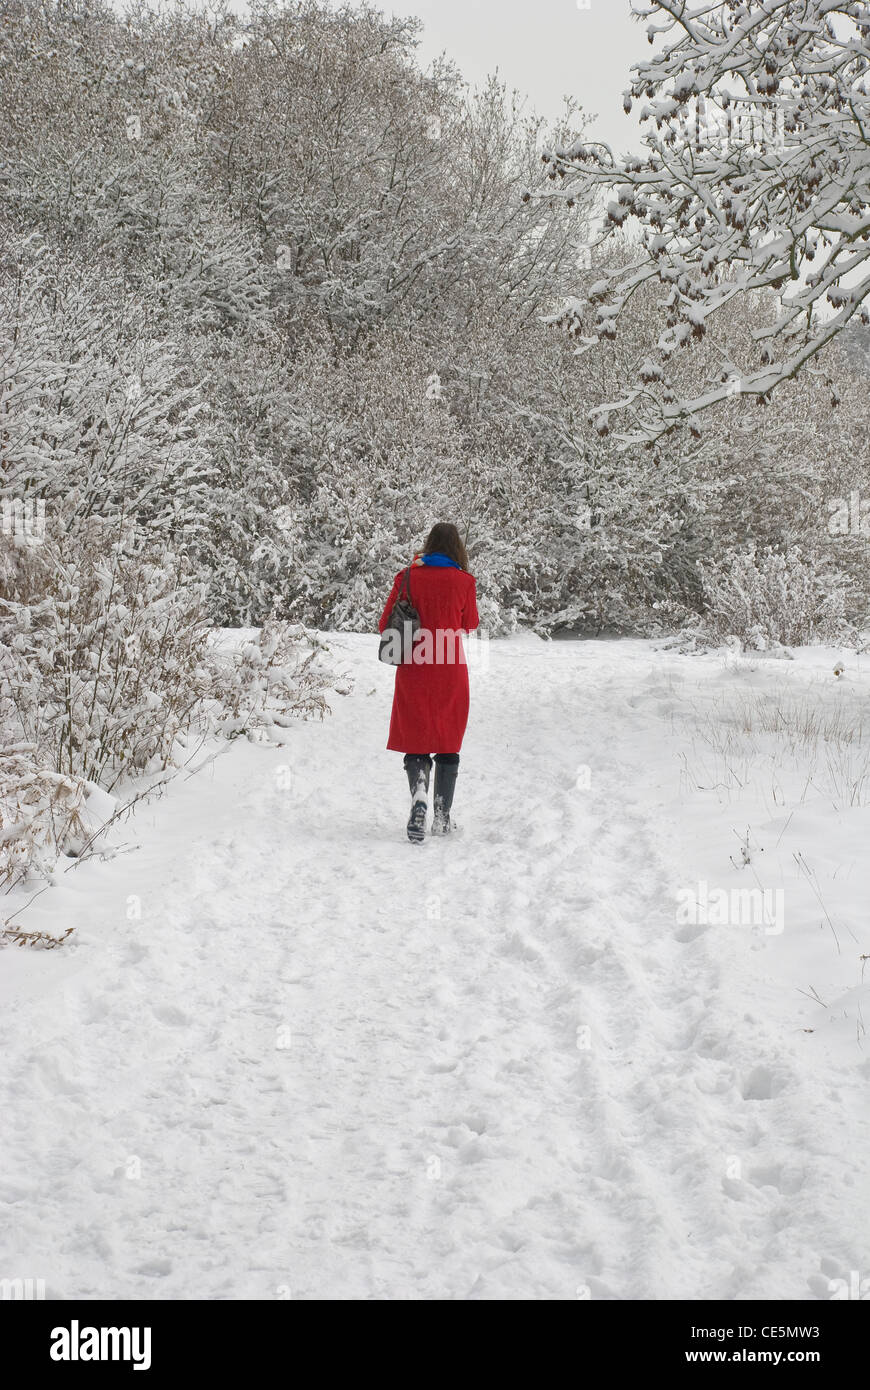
(325, 1063)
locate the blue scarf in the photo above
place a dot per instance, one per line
(439, 561)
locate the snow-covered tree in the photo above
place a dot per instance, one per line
(754, 178)
(272, 299)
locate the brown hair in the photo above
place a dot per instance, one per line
(444, 539)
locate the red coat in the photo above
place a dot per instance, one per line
(430, 701)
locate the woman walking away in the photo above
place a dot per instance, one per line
(430, 701)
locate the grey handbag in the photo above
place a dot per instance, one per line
(403, 624)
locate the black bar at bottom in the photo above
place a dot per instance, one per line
(161, 1340)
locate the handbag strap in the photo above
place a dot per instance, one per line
(406, 584)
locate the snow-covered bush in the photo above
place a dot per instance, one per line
(44, 813)
(766, 597)
(100, 647)
(106, 665)
(39, 811)
(262, 685)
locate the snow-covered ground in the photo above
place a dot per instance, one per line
(287, 1054)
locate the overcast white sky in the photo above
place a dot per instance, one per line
(544, 48)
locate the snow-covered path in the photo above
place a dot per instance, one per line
(325, 1063)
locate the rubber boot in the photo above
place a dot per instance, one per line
(445, 785)
(418, 780)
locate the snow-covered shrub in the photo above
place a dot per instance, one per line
(268, 681)
(249, 552)
(765, 597)
(376, 463)
(100, 646)
(106, 664)
(39, 810)
(44, 813)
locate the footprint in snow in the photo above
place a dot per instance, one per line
(762, 1084)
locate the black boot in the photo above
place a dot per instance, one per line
(418, 780)
(445, 785)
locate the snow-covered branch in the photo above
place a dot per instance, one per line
(755, 177)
